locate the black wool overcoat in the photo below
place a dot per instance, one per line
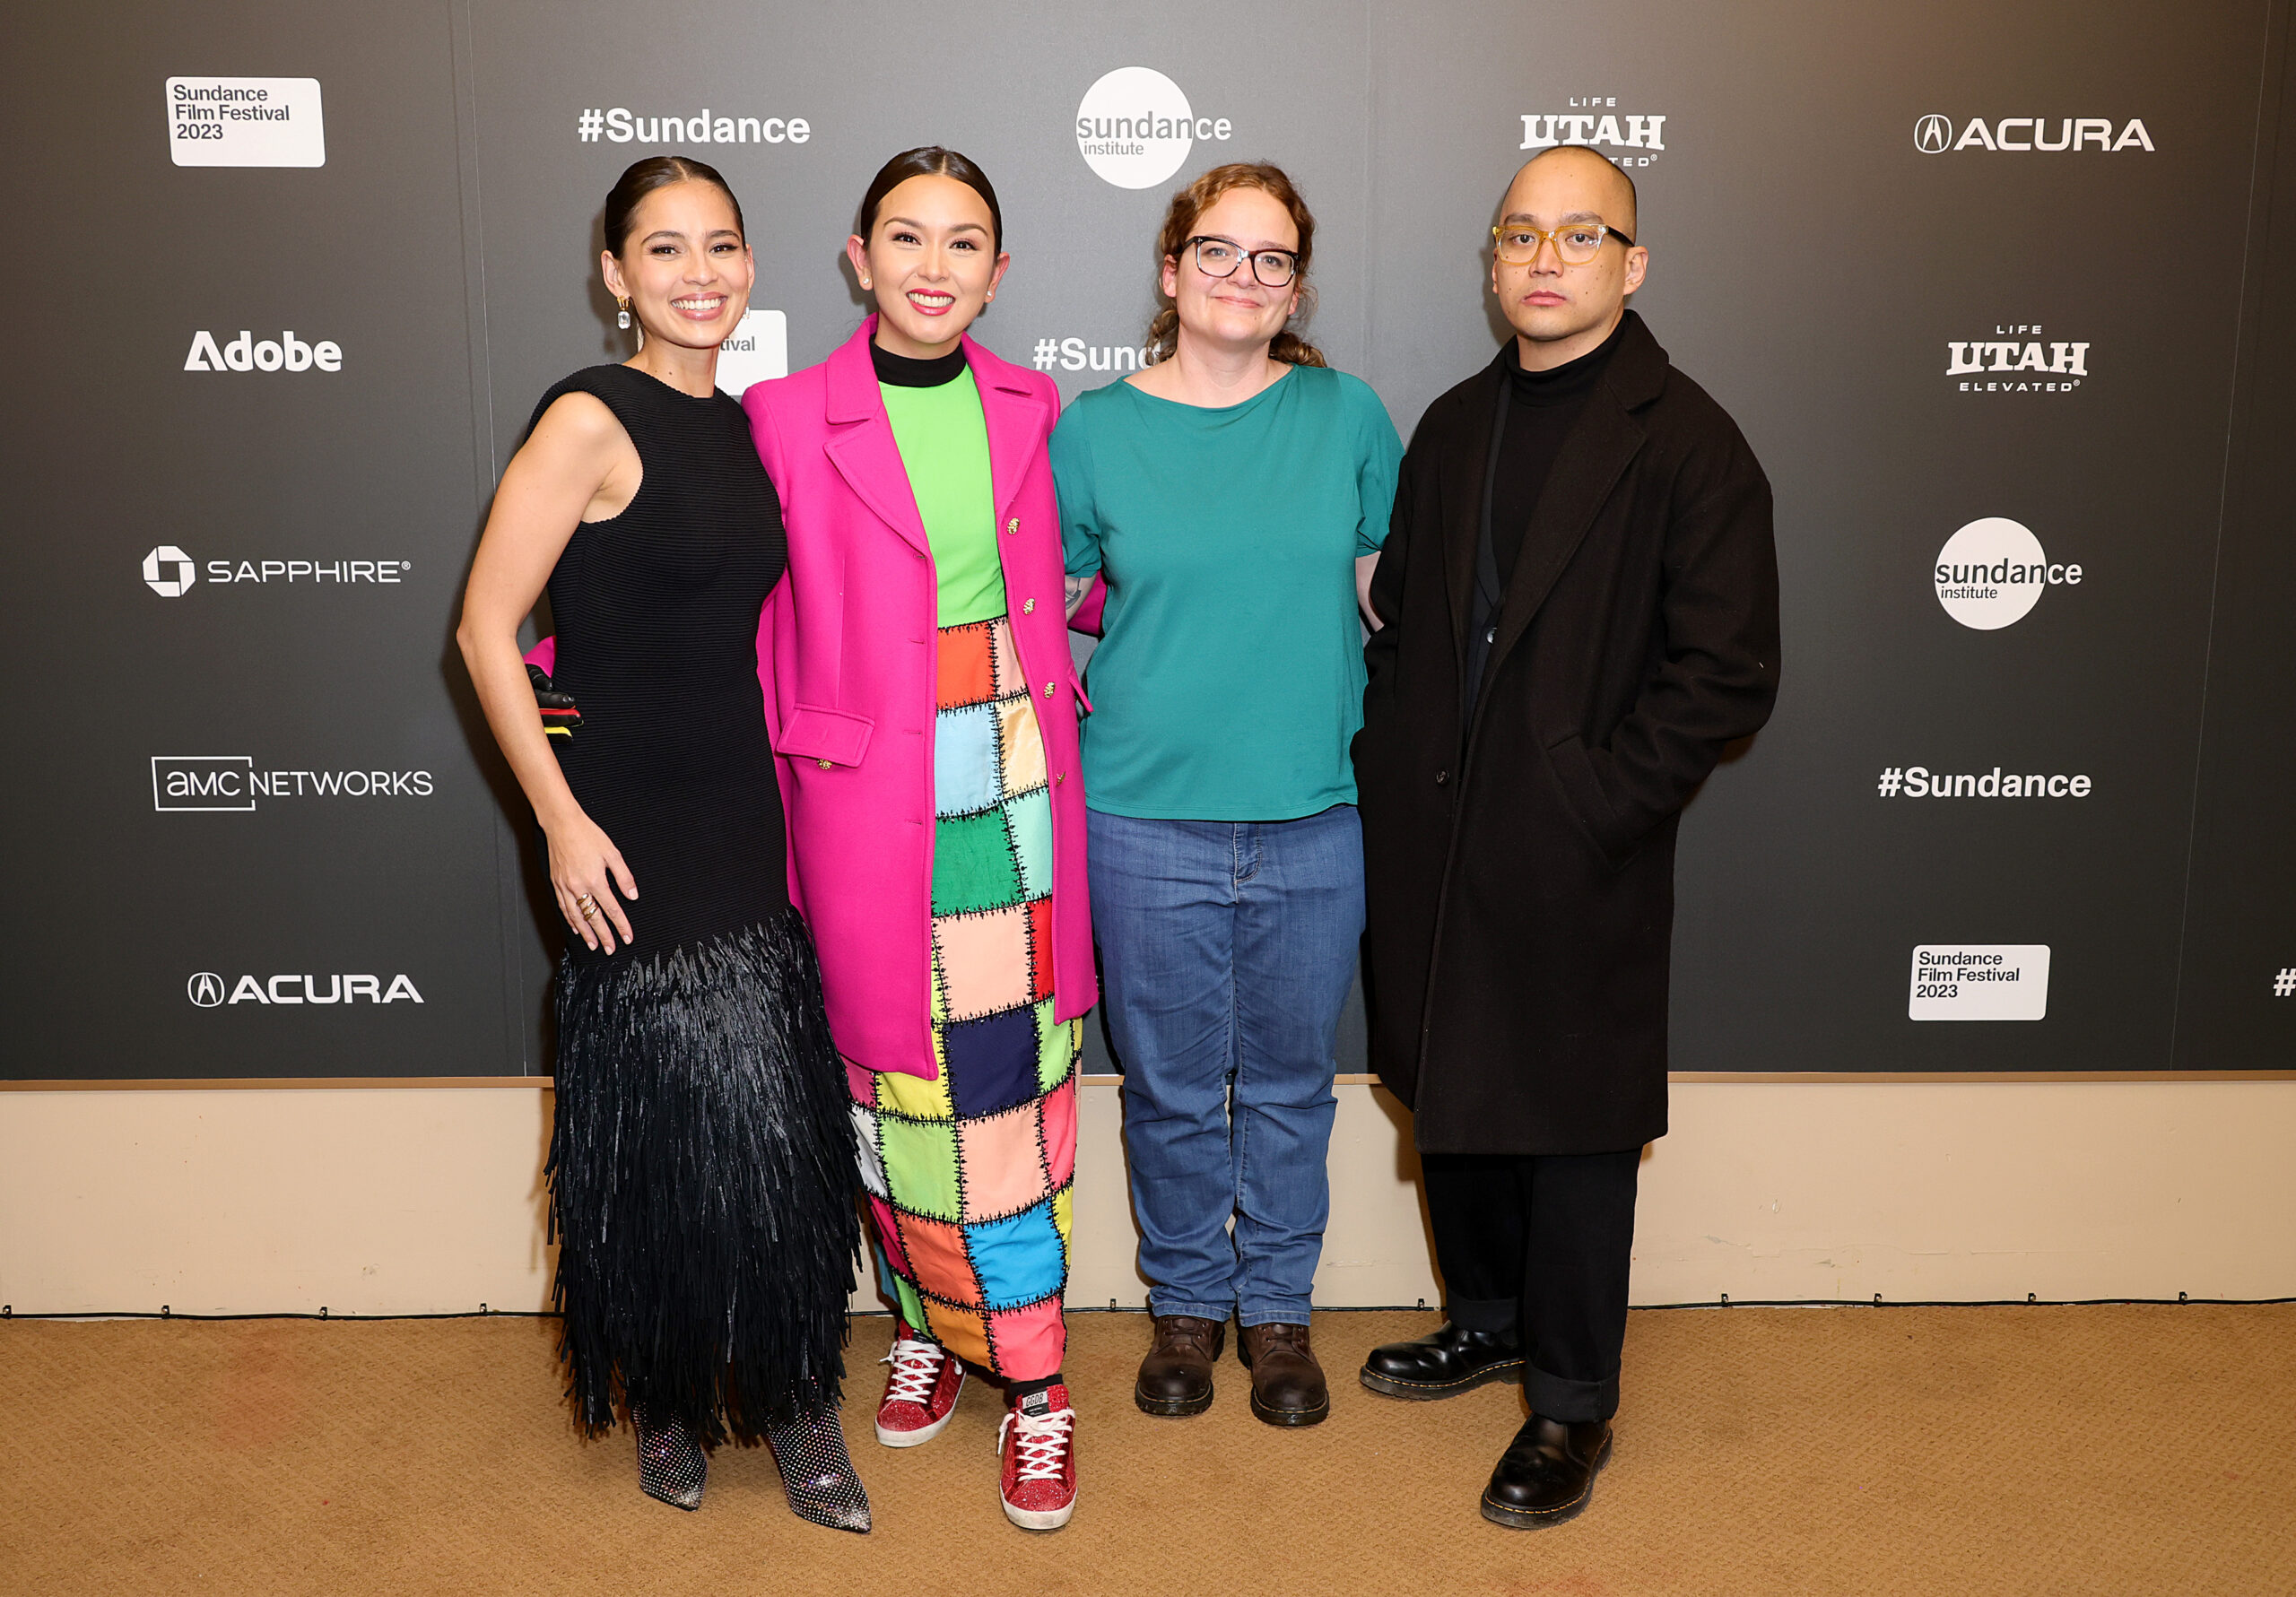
(1520, 873)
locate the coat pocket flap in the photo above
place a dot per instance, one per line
(837, 736)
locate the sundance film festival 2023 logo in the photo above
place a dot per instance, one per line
(170, 573)
(1991, 573)
(2017, 359)
(1134, 127)
(1935, 135)
(1979, 981)
(246, 122)
(1593, 121)
(208, 990)
(219, 783)
(758, 350)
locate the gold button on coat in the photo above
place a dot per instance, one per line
(1048, 690)
(1028, 607)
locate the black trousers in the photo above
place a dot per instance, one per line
(1541, 1243)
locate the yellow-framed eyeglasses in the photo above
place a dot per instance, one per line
(1576, 243)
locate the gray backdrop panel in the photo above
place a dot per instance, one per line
(1811, 266)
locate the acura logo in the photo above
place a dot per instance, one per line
(168, 571)
(1932, 134)
(209, 991)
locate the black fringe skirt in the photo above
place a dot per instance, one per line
(701, 1175)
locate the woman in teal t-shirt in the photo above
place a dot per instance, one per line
(1233, 496)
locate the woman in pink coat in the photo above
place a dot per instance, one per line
(921, 700)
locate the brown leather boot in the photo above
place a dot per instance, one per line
(1287, 1382)
(1176, 1377)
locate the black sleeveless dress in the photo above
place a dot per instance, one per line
(701, 1160)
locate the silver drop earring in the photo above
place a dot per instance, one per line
(621, 317)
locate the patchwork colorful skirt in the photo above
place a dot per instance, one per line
(969, 1175)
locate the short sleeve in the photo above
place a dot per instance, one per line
(1072, 481)
(1379, 458)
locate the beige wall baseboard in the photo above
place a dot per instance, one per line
(1678, 1078)
(406, 1200)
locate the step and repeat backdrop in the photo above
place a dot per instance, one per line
(2001, 295)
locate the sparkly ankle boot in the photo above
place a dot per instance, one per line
(818, 1473)
(672, 1467)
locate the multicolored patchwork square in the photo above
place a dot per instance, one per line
(969, 1175)
(972, 1223)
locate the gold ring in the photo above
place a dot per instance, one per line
(588, 906)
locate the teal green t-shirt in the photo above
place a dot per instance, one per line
(1229, 680)
(944, 443)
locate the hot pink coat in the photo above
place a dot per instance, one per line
(847, 655)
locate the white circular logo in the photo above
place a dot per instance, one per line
(1932, 134)
(1134, 127)
(204, 989)
(168, 571)
(1990, 574)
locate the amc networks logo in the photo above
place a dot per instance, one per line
(207, 990)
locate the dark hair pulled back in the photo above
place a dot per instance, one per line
(931, 161)
(659, 171)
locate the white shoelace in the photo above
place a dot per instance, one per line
(1042, 1441)
(917, 1370)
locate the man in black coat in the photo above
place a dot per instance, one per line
(1579, 609)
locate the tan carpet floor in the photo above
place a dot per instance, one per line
(1894, 1450)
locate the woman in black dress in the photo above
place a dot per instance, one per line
(702, 1164)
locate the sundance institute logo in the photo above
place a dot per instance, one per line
(1134, 127)
(1990, 574)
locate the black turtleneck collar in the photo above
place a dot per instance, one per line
(903, 372)
(1565, 384)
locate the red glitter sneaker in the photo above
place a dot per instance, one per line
(921, 1393)
(1037, 1441)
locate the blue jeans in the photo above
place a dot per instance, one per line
(1226, 949)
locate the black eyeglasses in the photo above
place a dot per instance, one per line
(1220, 257)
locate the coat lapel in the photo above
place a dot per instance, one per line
(1016, 422)
(1593, 458)
(1462, 503)
(861, 446)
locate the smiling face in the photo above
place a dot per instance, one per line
(685, 266)
(931, 263)
(1560, 312)
(1238, 312)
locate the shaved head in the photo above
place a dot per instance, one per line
(1559, 310)
(1616, 188)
